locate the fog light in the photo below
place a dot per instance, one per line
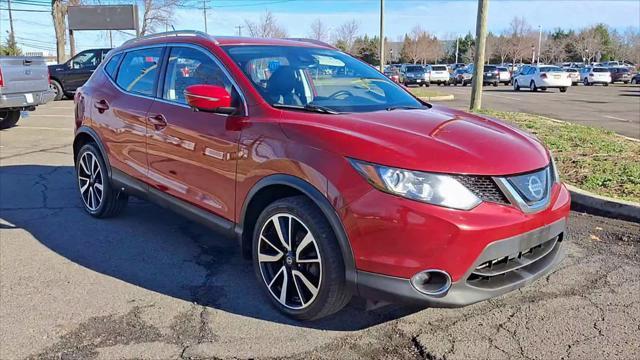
(431, 282)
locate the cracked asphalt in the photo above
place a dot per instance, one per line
(152, 285)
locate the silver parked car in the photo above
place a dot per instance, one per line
(505, 75)
(24, 84)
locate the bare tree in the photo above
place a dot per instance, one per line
(345, 34)
(267, 27)
(319, 31)
(58, 13)
(553, 50)
(588, 44)
(501, 48)
(521, 40)
(157, 13)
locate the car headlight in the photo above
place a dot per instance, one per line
(435, 189)
(554, 168)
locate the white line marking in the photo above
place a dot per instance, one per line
(616, 118)
(49, 115)
(42, 128)
(502, 96)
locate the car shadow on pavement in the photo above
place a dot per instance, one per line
(153, 248)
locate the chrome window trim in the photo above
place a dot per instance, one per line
(168, 46)
(515, 198)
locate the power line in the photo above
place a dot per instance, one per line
(27, 10)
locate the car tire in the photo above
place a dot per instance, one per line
(585, 82)
(625, 82)
(633, 81)
(563, 89)
(495, 84)
(532, 86)
(9, 118)
(307, 290)
(427, 84)
(99, 198)
(57, 89)
(464, 83)
(516, 87)
(605, 84)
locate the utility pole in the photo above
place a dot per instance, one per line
(539, 42)
(239, 27)
(478, 67)
(11, 33)
(204, 12)
(381, 35)
(110, 39)
(457, 39)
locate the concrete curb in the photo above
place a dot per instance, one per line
(590, 203)
(437, 98)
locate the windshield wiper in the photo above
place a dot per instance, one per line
(405, 107)
(308, 107)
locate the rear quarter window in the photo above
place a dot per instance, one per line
(112, 66)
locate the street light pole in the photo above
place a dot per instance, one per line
(204, 12)
(381, 35)
(457, 39)
(539, 42)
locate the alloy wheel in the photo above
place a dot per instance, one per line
(90, 181)
(289, 261)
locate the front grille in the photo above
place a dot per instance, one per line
(509, 269)
(484, 187)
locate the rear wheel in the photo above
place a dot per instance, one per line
(100, 199)
(585, 82)
(9, 118)
(297, 260)
(495, 84)
(625, 82)
(606, 84)
(563, 89)
(516, 87)
(57, 89)
(532, 86)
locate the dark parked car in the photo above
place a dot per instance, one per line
(67, 77)
(491, 75)
(414, 75)
(333, 184)
(620, 74)
(635, 79)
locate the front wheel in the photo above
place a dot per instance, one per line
(585, 82)
(99, 198)
(533, 86)
(297, 260)
(9, 118)
(563, 89)
(606, 84)
(516, 87)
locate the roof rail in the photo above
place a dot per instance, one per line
(312, 41)
(172, 33)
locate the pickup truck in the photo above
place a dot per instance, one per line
(24, 84)
(69, 76)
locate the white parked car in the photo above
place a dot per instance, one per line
(438, 74)
(542, 77)
(591, 75)
(505, 75)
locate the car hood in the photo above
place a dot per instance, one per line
(438, 140)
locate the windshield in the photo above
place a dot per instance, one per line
(570, 70)
(439, 68)
(305, 77)
(415, 69)
(489, 68)
(546, 69)
(600, 69)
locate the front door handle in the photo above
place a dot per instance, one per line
(102, 106)
(159, 122)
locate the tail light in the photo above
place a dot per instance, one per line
(543, 76)
(1, 79)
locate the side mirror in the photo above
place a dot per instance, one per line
(209, 98)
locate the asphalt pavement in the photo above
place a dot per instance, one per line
(615, 107)
(152, 285)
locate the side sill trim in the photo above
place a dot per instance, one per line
(138, 188)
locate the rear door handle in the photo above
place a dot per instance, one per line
(102, 106)
(159, 122)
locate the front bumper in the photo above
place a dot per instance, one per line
(472, 287)
(24, 101)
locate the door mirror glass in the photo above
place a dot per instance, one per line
(209, 98)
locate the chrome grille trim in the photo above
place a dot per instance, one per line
(515, 198)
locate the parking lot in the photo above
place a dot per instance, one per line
(615, 108)
(151, 284)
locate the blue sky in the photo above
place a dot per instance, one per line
(443, 18)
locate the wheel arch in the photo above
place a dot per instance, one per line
(274, 187)
(85, 135)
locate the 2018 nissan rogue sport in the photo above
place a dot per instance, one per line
(335, 180)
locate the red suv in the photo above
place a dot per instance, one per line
(334, 180)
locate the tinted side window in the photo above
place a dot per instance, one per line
(112, 65)
(139, 71)
(86, 60)
(188, 66)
